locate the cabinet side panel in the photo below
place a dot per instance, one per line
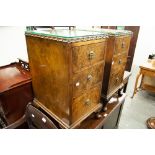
(107, 67)
(50, 74)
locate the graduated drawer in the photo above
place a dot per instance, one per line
(87, 79)
(118, 63)
(122, 44)
(86, 55)
(115, 81)
(84, 105)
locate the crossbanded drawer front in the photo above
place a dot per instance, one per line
(115, 81)
(84, 104)
(87, 55)
(122, 44)
(87, 79)
(118, 64)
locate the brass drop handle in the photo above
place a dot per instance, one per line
(91, 55)
(120, 61)
(117, 79)
(88, 102)
(89, 77)
(123, 44)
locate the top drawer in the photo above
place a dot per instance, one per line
(86, 55)
(122, 44)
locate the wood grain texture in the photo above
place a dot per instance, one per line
(83, 104)
(109, 119)
(115, 62)
(12, 76)
(15, 91)
(50, 74)
(118, 64)
(56, 67)
(82, 55)
(122, 44)
(87, 78)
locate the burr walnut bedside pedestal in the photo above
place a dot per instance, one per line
(147, 69)
(67, 68)
(118, 44)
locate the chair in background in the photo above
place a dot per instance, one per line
(36, 119)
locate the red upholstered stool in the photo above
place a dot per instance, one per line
(151, 123)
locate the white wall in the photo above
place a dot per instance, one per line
(145, 44)
(12, 44)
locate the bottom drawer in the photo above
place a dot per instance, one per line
(115, 81)
(85, 104)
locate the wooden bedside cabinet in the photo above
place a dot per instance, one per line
(116, 57)
(67, 68)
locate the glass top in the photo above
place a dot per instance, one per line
(67, 34)
(112, 31)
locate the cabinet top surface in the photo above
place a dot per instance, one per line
(67, 34)
(149, 65)
(113, 32)
(75, 34)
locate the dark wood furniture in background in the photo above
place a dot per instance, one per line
(15, 91)
(135, 30)
(67, 69)
(36, 119)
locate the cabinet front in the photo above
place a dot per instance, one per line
(122, 44)
(87, 79)
(84, 105)
(86, 55)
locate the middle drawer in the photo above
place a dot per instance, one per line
(118, 63)
(87, 79)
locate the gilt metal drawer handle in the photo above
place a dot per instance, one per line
(117, 79)
(88, 102)
(89, 77)
(123, 44)
(91, 55)
(120, 61)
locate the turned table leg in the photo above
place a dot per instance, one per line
(135, 89)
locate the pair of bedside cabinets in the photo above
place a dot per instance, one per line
(74, 70)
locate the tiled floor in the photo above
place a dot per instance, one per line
(137, 110)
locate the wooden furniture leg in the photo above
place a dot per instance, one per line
(135, 89)
(141, 81)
